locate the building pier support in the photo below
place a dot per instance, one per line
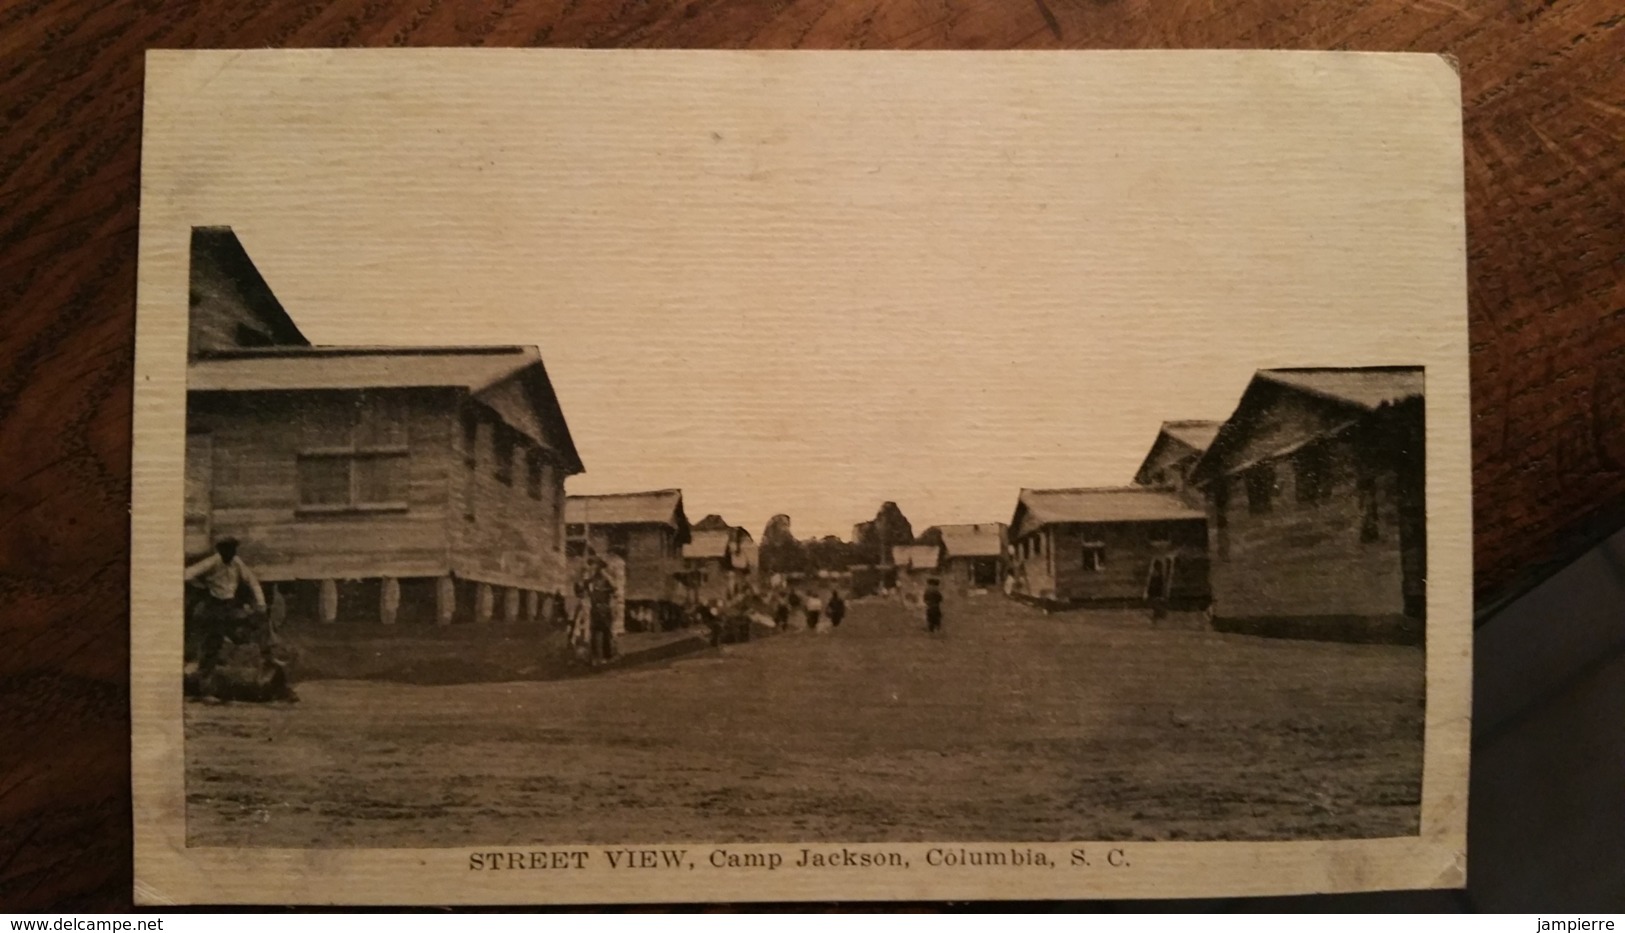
(445, 600)
(389, 600)
(327, 601)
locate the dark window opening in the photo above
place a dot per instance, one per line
(352, 480)
(504, 444)
(619, 542)
(1312, 474)
(356, 456)
(1370, 528)
(1094, 556)
(1260, 488)
(471, 437)
(534, 465)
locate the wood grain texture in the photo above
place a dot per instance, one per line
(1545, 116)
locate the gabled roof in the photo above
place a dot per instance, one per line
(1196, 435)
(471, 368)
(979, 540)
(705, 545)
(657, 507)
(475, 369)
(217, 250)
(1364, 387)
(1187, 437)
(915, 556)
(1098, 505)
(1347, 395)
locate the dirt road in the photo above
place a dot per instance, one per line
(1015, 726)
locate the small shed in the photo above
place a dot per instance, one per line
(973, 556)
(915, 564)
(1108, 547)
(718, 562)
(646, 529)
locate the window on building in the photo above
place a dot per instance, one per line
(1038, 545)
(504, 443)
(355, 456)
(1370, 526)
(1311, 469)
(575, 530)
(535, 465)
(1261, 488)
(576, 547)
(620, 541)
(1094, 556)
(471, 436)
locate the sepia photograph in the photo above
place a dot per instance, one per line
(606, 477)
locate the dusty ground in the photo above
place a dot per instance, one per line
(1015, 726)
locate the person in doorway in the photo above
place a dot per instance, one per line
(933, 606)
(1156, 589)
(836, 608)
(231, 599)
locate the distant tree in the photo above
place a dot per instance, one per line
(779, 551)
(931, 536)
(831, 553)
(889, 529)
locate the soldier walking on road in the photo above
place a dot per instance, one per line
(836, 607)
(933, 606)
(814, 607)
(599, 593)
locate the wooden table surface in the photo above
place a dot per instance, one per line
(1544, 92)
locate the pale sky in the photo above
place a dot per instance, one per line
(806, 284)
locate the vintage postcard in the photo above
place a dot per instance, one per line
(573, 476)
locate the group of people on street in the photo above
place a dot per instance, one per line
(811, 608)
(227, 607)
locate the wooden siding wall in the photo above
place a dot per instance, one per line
(1032, 571)
(650, 561)
(498, 533)
(1307, 558)
(960, 572)
(717, 576)
(254, 494)
(1284, 419)
(1172, 461)
(1129, 552)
